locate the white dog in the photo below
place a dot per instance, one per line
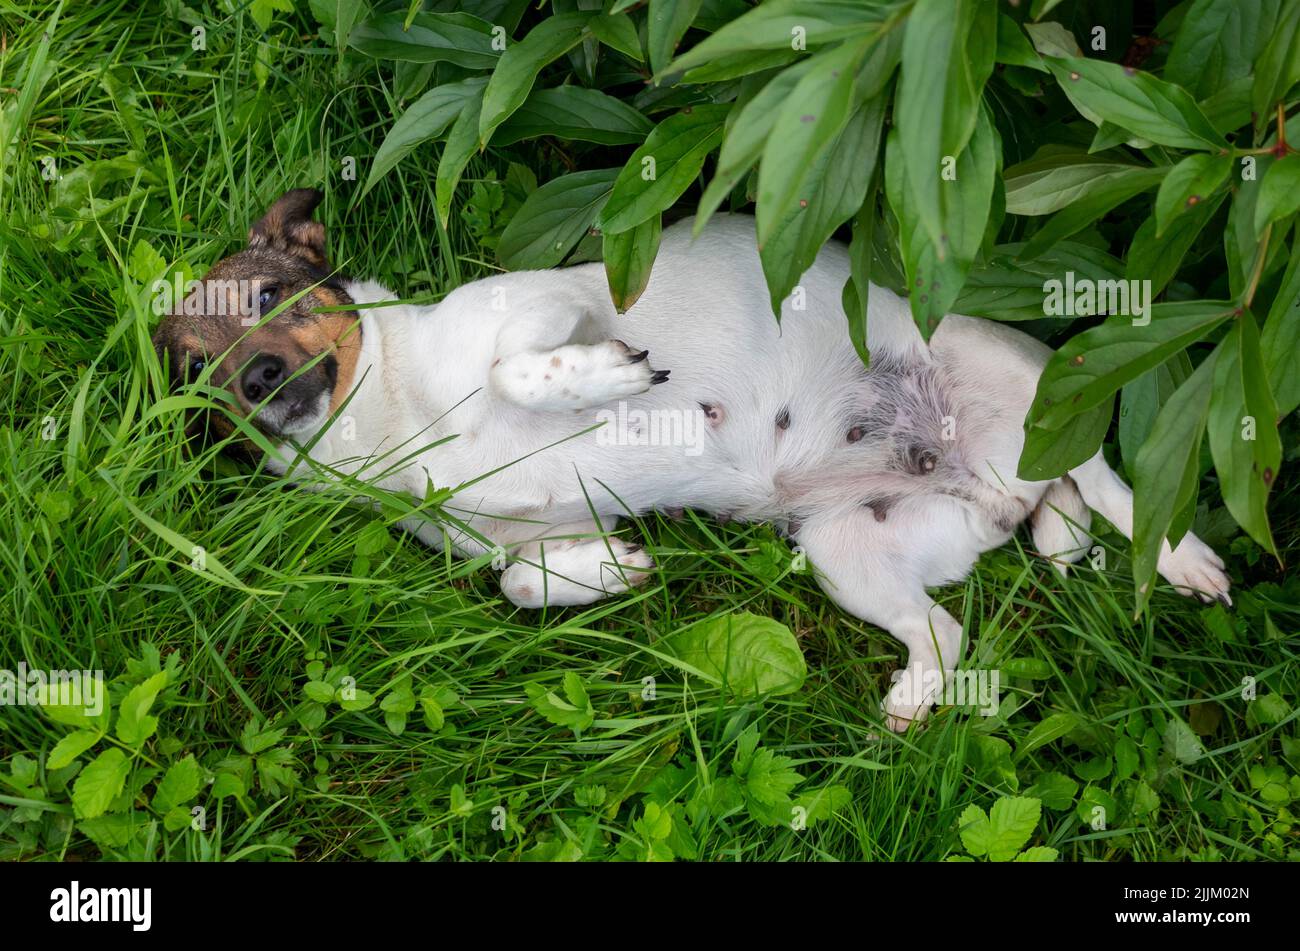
(532, 397)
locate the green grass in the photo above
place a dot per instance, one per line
(179, 150)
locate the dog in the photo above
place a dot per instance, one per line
(892, 478)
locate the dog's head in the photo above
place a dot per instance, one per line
(286, 373)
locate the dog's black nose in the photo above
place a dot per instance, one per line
(265, 374)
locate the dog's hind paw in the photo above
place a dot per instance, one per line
(576, 376)
(1193, 568)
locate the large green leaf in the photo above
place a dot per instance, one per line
(857, 288)
(1157, 259)
(1166, 471)
(1005, 288)
(426, 118)
(667, 23)
(777, 24)
(1141, 400)
(947, 57)
(747, 654)
(1105, 195)
(1056, 177)
(521, 62)
(935, 273)
(1217, 43)
(100, 783)
(457, 38)
(1093, 365)
(629, 256)
(663, 167)
(1051, 453)
(1278, 66)
(1188, 184)
(1280, 340)
(1137, 101)
(554, 218)
(572, 112)
(1279, 193)
(462, 142)
(1243, 430)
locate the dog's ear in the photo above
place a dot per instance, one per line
(288, 226)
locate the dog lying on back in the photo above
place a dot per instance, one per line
(891, 479)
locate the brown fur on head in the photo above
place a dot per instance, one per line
(260, 365)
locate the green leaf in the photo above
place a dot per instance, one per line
(836, 186)
(1014, 48)
(935, 273)
(79, 703)
(1182, 743)
(747, 130)
(425, 119)
(947, 58)
(431, 708)
(775, 24)
(1011, 822)
(574, 113)
(554, 218)
(747, 654)
(1158, 259)
(521, 62)
(1166, 473)
(973, 826)
(1137, 101)
(1279, 193)
(134, 726)
(1280, 341)
(1217, 43)
(430, 38)
(1141, 400)
(70, 747)
(857, 288)
(1104, 195)
(574, 710)
(1045, 731)
(667, 22)
(320, 691)
(663, 167)
(770, 778)
(1189, 183)
(629, 256)
(1093, 365)
(1278, 67)
(1051, 453)
(1056, 790)
(1243, 430)
(462, 141)
(179, 784)
(1056, 177)
(1004, 288)
(618, 32)
(1039, 853)
(100, 783)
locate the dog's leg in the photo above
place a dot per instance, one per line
(1192, 567)
(560, 569)
(538, 367)
(873, 570)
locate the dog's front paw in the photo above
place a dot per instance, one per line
(1193, 568)
(576, 376)
(577, 573)
(909, 700)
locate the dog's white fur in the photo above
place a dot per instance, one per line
(891, 479)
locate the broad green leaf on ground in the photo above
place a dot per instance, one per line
(572, 112)
(629, 256)
(947, 58)
(179, 784)
(1166, 471)
(1057, 176)
(747, 654)
(1091, 366)
(1188, 184)
(1137, 101)
(425, 119)
(522, 60)
(457, 38)
(573, 710)
(1243, 430)
(1003, 831)
(70, 747)
(554, 218)
(100, 783)
(663, 167)
(134, 725)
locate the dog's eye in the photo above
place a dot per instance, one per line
(197, 366)
(268, 296)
